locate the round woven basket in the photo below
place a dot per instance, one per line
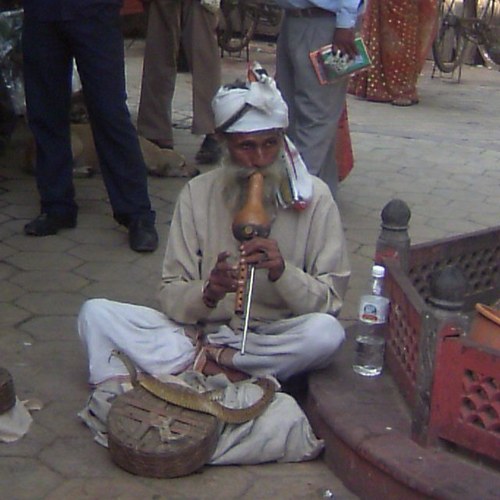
(7, 392)
(150, 437)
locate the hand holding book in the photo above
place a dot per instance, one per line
(330, 64)
(344, 39)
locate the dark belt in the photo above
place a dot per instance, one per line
(311, 12)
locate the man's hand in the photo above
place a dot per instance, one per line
(223, 279)
(343, 40)
(264, 253)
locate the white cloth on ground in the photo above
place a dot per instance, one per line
(282, 433)
(15, 423)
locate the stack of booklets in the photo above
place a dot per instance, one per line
(330, 66)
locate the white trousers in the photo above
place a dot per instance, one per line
(159, 346)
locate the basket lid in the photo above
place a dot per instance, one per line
(151, 437)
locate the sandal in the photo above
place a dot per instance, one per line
(404, 101)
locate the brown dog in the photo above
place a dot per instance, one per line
(159, 162)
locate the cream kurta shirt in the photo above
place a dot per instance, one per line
(311, 241)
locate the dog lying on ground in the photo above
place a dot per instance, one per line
(159, 162)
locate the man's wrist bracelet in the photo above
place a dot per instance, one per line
(207, 300)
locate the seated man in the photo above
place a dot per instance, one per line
(301, 275)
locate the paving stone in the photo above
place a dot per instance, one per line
(31, 444)
(11, 336)
(27, 243)
(60, 419)
(114, 271)
(10, 314)
(454, 226)
(3, 216)
(49, 281)
(95, 219)
(102, 253)
(99, 488)
(68, 456)
(305, 480)
(20, 204)
(224, 483)
(485, 220)
(10, 292)
(130, 292)
(92, 190)
(43, 328)
(6, 271)
(6, 229)
(25, 478)
(116, 237)
(34, 260)
(60, 303)
(54, 371)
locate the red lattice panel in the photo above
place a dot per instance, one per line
(466, 396)
(404, 330)
(476, 254)
(481, 401)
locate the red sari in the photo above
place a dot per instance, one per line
(343, 147)
(398, 35)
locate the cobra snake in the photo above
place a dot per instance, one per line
(186, 397)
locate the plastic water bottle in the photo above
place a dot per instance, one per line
(370, 334)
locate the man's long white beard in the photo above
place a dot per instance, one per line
(235, 181)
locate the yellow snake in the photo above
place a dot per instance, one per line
(187, 397)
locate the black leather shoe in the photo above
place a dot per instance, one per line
(47, 224)
(142, 236)
(210, 150)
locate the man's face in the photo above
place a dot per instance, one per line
(254, 149)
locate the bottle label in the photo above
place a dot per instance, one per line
(373, 309)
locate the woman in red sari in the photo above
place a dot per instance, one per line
(398, 35)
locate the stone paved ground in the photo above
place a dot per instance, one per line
(442, 157)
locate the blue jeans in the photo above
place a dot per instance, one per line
(96, 44)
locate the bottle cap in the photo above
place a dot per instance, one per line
(378, 271)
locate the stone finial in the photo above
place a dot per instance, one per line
(395, 215)
(393, 240)
(447, 289)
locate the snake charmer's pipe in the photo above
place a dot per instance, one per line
(252, 220)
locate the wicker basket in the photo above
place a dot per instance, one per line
(150, 437)
(485, 328)
(7, 392)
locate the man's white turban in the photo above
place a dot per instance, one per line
(250, 106)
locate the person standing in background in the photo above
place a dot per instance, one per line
(398, 35)
(88, 31)
(169, 22)
(314, 109)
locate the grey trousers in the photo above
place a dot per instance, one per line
(199, 40)
(314, 109)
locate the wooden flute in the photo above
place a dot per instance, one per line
(252, 220)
